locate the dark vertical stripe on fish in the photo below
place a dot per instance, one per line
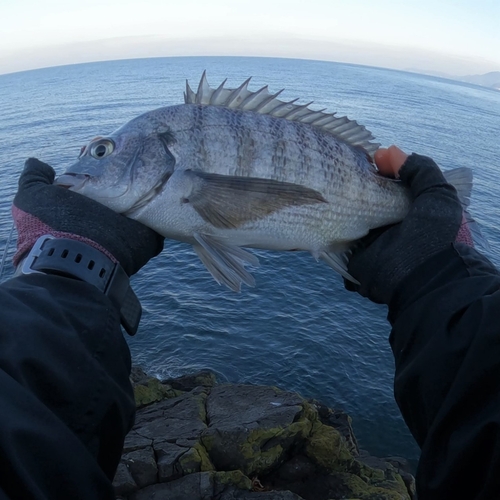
(245, 146)
(200, 153)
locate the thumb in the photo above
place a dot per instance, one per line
(390, 160)
(36, 172)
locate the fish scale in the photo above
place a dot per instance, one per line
(235, 168)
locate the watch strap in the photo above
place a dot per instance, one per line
(75, 259)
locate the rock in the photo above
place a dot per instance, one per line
(123, 482)
(134, 441)
(198, 486)
(398, 465)
(148, 389)
(344, 485)
(204, 378)
(326, 447)
(176, 461)
(172, 420)
(142, 466)
(298, 468)
(172, 428)
(252, 428)
(339, 420)
(261, 495)
(237, 442)
(138, 375)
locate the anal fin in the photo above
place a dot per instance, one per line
(226, 263)
(338, 261)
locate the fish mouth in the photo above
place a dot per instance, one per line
(75, 182)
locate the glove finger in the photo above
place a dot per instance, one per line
(35, 172)
(421, 173)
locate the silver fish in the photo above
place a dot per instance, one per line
(233, 168)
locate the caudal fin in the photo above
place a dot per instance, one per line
(461, 179)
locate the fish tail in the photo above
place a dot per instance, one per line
(462, 179)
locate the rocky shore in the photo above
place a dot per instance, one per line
(195, 439)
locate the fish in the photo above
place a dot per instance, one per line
(233, 169)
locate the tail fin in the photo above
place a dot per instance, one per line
(461, 180)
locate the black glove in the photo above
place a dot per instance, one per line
(386, 256)
(42, 208)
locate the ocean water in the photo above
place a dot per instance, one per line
(298, 329)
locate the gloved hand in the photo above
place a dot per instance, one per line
(386, 256)
(42, 208)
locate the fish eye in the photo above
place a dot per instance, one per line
(101, 148)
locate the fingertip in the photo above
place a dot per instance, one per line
(380, 155)
(382, 160)
(390, 160)
(397, 158)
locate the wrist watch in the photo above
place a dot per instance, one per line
(77, 260)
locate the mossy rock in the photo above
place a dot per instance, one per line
(203, 378)
(196, 459)
(234, 478)
(353, 487)
(258, 450)
(327, 448)
(151, 391)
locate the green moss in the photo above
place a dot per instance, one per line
(235, 478)
(327, 448)
(151, 391)
(388, 479)
(352, 486)
(208, 442)
(309, 412)
(195, 460)
(365, 472)
(251, 450)
(391, 481)
(205, 462)
(259, 460)
(190, 462)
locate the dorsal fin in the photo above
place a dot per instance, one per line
(263, 102)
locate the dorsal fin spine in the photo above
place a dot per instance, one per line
(217, 92)
(252, 98)
(263, 102)
(237, 93)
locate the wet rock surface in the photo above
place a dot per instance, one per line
(195, 439)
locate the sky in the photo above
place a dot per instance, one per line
(449, 37)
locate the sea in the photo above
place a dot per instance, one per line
(298, 329)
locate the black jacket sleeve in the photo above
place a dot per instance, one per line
(66, 402)
(446, 344)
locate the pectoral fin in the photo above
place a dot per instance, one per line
(225, 262)
(229, 201)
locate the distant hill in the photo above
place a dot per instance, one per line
(487, 80)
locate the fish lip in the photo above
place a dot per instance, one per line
(71, 181)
